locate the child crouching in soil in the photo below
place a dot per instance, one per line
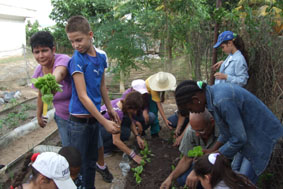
(126, 109)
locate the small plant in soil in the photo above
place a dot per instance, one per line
(146, 153)
(145, 159)
(195, 152)
(137, 172)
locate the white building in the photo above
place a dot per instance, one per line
(13, 14)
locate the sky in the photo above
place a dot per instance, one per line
(43, 8)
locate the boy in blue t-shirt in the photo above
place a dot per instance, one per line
(88, 86)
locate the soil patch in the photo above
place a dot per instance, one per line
(155, 172)
(17, 115)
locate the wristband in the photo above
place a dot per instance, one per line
(137, 135)
(132, 154)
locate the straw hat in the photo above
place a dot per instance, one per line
(162, 81)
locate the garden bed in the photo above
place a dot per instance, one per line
(17, 114)
(155, 172)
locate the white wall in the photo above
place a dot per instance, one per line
(13, 14)
(12, 36)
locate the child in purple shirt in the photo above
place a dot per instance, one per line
(126, 109)
(43, 49)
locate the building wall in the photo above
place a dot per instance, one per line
(12, 36)
(13, 14)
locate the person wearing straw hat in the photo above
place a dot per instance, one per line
(156, 85)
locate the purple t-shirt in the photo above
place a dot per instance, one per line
(127, 92)
(61, 99)
(115, 107)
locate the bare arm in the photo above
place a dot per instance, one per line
(180, 137)
(88, 104)
(181, 120)
(182, 166)
(160, 109)
(214, 148)
(41, 122)
(60, 73)
(122, 146)
(112, 113)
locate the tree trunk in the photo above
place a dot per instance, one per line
(214, 52)
(122, 82)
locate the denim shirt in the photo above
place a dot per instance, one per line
(236, 68)
(246, 125)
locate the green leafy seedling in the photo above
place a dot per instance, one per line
(195, 152)
(47, 85)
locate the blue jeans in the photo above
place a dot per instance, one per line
(243, 166)
(151, 121)
(84, 137)
(181, 180)
(174, 120)
(63, 129)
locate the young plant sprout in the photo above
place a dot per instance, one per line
(145, 159)
(195, 152)
(146, 153)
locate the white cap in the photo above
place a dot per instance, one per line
(55, 167)
(139, 85)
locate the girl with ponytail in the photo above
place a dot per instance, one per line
(214, 171)
(235, 68)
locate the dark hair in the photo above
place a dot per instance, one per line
(240, 45)
(133, 100)
(184, 93)
(78, 24)
(221, 171)
(145, 99)
(162, 96)
(72, 155)
(42, 39)
(20, 176)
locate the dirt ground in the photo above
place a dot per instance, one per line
(155, 172)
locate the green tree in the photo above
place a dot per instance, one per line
(114, 29)
(31, 29)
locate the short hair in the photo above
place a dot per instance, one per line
(72, 155)
(133, 100)
(78, 24)
(42, 39)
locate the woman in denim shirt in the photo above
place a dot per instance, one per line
(234, 69)
(246, 125)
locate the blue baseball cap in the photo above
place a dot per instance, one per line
(224, 36)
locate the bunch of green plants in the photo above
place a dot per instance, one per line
(137, 172)
(195, 152)
(47, 85)
(146, 153)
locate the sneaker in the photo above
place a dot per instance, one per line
(106, 175)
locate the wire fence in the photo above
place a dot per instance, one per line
(16, 65)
